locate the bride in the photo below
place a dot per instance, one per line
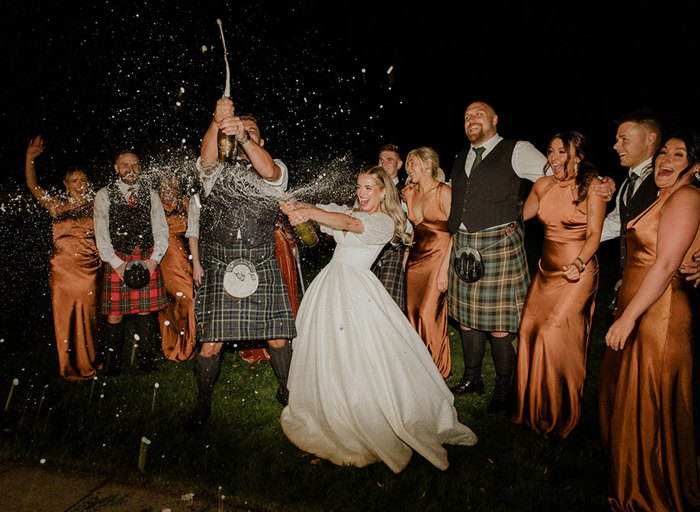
(363, 387)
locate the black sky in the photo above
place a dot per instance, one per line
(95, 78)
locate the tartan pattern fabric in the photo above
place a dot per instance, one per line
(119, 299)
(495, 302)
(389, 270)
(264, 315)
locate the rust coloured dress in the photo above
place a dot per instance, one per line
(645, 391)
(556, 322)
(177, 327)
(426, 307)
(75, 276)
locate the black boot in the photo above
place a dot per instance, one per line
(504, 360)
(473, 347)
(113, 346)
(280, 360)
(144, 330)
(206, 373)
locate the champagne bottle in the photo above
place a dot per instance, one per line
(307, 233)
(227, 146)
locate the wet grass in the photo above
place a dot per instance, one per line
(243, 449)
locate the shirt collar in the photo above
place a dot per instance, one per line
(643, 169)
(490, 144)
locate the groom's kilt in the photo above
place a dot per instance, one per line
(493, 303)
(264, 315)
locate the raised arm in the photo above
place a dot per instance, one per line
(210, 150)
(35, 148)
(677, 228)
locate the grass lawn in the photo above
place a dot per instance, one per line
(98, 427)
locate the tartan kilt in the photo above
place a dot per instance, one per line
(119, 299)
(495, 302)
(389, 270)
(264, 315)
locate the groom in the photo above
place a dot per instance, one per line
(234, 228)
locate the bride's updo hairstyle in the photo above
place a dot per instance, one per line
(391, 205)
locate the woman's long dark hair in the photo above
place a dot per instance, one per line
(692, 149)
(586, 170)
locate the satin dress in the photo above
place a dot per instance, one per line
(426, 306)
(75, 276)
(362, 386)
(176, 320)
(556, 323)
(645, 391)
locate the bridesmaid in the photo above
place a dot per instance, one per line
(645, 389)
(556, 322)
(74, 269)
(177, 326)
(428, 202)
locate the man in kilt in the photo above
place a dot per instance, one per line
(486, 214)
(389, 264)
(130, 224)
(236, 222)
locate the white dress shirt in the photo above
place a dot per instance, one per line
(611, 224)
(159, 225)
(528, 163)
(208, 181)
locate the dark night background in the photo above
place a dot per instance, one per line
(98, 77)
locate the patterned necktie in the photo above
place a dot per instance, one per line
(132, 198)
(630, 187)
(479, 152)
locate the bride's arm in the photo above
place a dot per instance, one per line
(301, 212)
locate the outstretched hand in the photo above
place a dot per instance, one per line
(35, 148)
(295, 211)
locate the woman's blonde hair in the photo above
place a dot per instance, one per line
(391, 205)
(428, 156)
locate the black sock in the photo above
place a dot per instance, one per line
(473, 347)
(504, 360)
(113, 347)
(280, 360)
(144, 330)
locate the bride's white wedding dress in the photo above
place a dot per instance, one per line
(363, 387)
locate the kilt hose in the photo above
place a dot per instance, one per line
(495, 302)
(389, 270)
(264, 315)
(119, 299)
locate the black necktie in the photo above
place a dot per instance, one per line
(479, 152)
(630, 187)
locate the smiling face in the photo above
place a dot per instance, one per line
(391, 162)
(369, 193)
(480, 122)
(563, 166)
(128, 167)
(634, 143)
(670, 162)
(416, 168)
(76, 184)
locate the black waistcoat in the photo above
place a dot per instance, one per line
(130, 225)
(646, 193)
(238, 210)
(491, 195)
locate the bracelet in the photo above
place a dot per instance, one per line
(243, 139)
(583, 265)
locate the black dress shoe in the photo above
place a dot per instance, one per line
(468, 386)
(282, 396)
